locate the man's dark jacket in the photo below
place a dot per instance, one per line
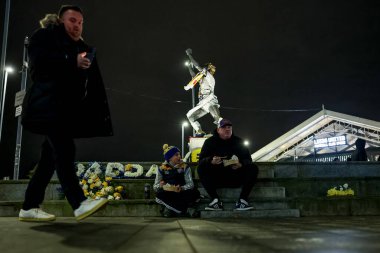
(62, 96)
(215, 146)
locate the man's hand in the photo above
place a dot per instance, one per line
(216, 160)
(189, 51)
(236, 166)
(82, 61)
(178, 188)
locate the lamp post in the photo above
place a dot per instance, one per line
(184, 124)
(187, 63)
(7, 70)
(246, 143)
(4, 48)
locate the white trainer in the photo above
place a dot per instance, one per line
(88, 207)
(35, 214)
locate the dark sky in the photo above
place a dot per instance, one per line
(270, 55)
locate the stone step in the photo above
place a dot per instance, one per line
(15, 190)
(264, 173)
(251, 214)
(61, 208)
(257, 203)
(295, 187)
(333, 206)
(325, 169)
(138, 207)
(257, 192)
(323, 206)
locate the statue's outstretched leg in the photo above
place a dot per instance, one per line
(215, 113)
(194, 114)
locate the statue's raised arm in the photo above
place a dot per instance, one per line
(193, 62)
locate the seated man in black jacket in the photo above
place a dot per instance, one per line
(216, 168)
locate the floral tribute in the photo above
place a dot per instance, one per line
(97, 182)
(133, 171)
(115, 170)
(341, 190)
(152, 171)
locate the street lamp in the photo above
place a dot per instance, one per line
(7, 70)
(246, 143)
(187, 64)
(184, 124)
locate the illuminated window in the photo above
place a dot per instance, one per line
(330, 142)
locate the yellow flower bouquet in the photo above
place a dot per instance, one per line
(95, 184)
(341, 190)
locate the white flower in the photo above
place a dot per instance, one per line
(114, 169)
(110, 197)
(95, 166)
(109, 189)
(98, 183)
(94, 170)
(153, 170)
(139, 171)
(345, 186)
(80, 169)
(117, 198)
(90, 181)
(85, 187)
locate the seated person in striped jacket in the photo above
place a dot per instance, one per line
(174, 185)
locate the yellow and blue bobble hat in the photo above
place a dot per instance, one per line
(169, 151)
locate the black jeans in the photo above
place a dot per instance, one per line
(179, 200)
(213, 177)
(58, 153)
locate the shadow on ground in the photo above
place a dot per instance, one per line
(91, 236)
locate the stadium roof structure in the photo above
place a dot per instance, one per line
(325, 132)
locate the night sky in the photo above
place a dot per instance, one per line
(277, 63)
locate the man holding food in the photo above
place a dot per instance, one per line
(224, 162)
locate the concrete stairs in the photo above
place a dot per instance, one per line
(268, 201)
(282, 190)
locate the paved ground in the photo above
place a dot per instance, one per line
(327, 234)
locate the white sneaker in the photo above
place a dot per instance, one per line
(242, 205)
(88, 207)
(215, 205)
(35, 214)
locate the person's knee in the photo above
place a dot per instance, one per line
(205, 172)
(202, 170)
(191, 114)
(251, 171)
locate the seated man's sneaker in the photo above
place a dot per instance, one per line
(35, 214)
(88, 207)
(215, 205)
(242, 205)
